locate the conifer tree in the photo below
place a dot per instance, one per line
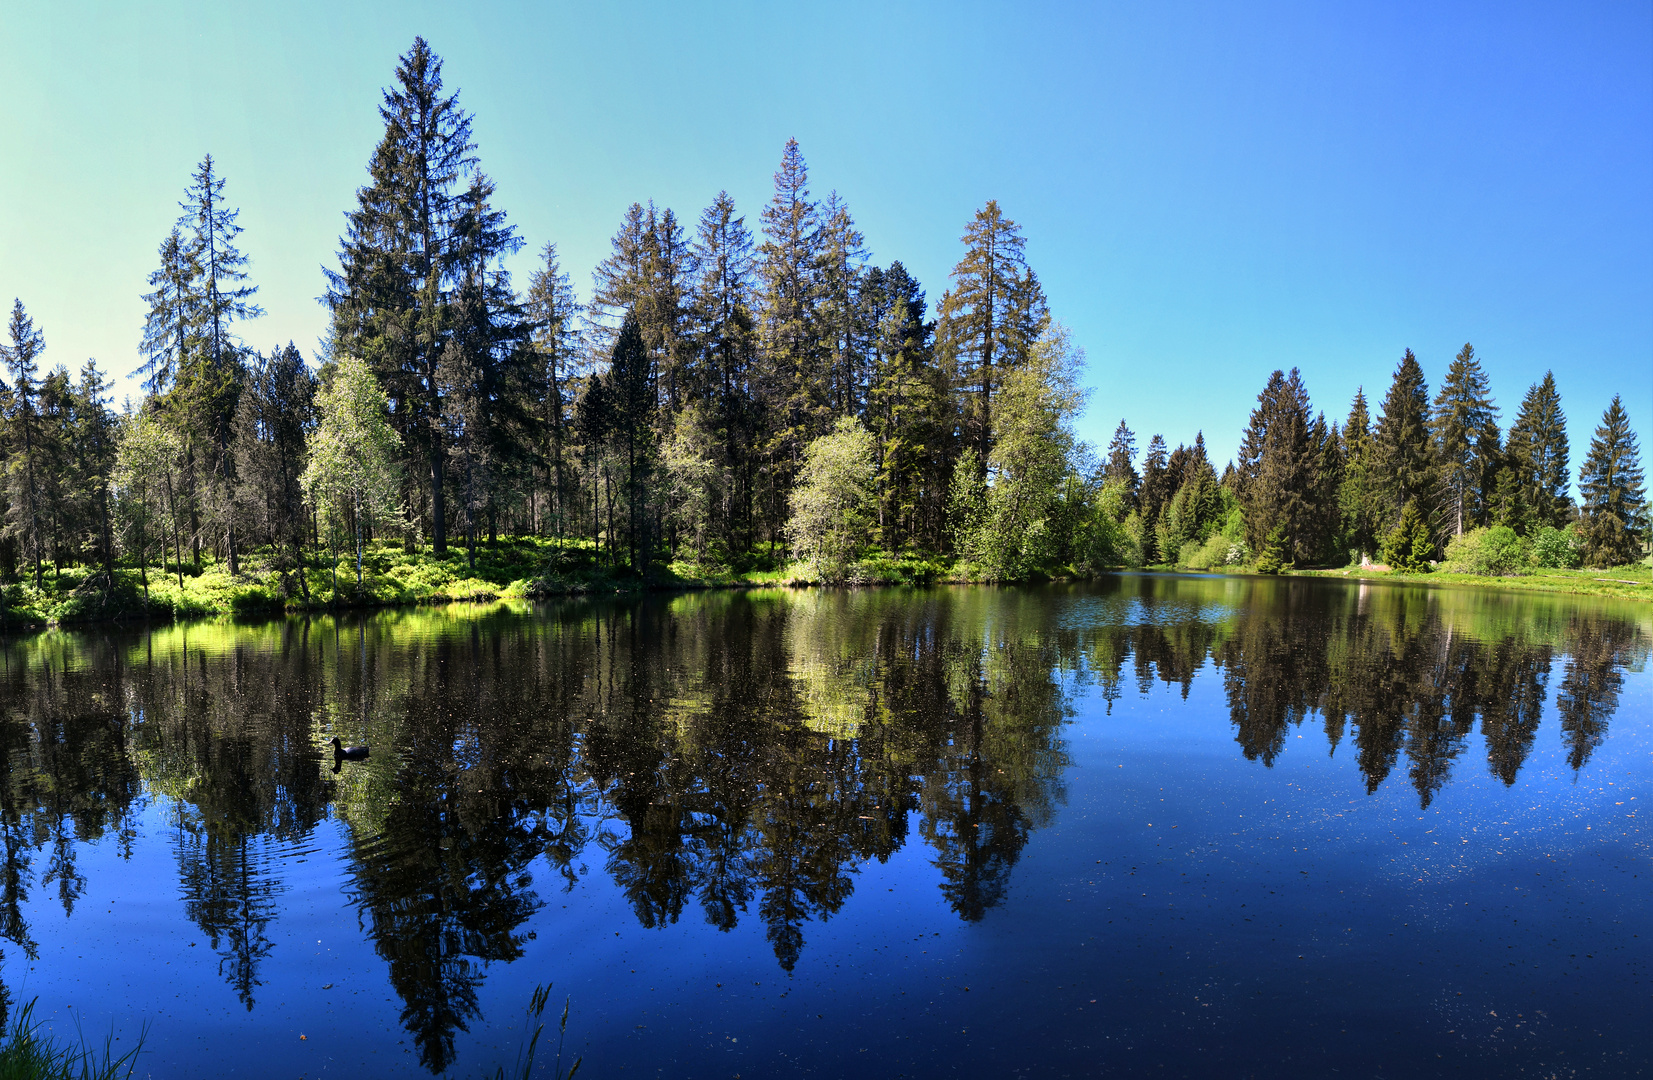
(1537, 450)
(1156, 491)
(1465, 433)
(722, 301)
(990, 319)
(1278, 469)
(1612, 497)
(1404, 465)
(1356, 494)
(94, 440)
(24, 345)
(844, 336)
(555, 312)
(174, 313)
(400, 257)
(793, 346)
(1121, 462)
(208, 380)
(908, 410)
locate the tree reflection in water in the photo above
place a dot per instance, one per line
(735, 753)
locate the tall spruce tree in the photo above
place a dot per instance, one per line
(1537, 451)
(24, 468)
(843, 331)
(173, 321)
(400, 257)
(1612, 496)
(990, 319)
(1465, 432)
(1405, 467)
(1278, 469)
(908, 411)
(1156, 491)
(208, 381)
(1356, 494)
(93, 444)
(1121, 465)
(555, 312)
(794, 351)
(722, 301)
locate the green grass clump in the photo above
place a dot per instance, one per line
(29, 1053)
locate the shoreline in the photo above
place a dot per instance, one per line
(1609, 583)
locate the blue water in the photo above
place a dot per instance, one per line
(1150, 826)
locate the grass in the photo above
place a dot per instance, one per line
(30, 1054)
(1634, 582)
(525, 1057)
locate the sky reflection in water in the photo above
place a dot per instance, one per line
(1154, 824)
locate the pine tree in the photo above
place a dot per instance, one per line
(1465, 433)
(1613, 500)
(1404, 468)
(1537, 450)
(400, 256)
(990, 319)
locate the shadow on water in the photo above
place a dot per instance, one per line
(742, 754)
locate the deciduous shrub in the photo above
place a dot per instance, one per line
(1493, 551)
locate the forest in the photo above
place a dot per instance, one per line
(724, 401)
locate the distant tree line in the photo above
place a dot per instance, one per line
(723, 397)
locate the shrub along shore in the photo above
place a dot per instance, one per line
(530, 568)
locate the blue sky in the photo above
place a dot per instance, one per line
(1208, 191)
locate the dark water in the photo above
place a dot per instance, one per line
(1155, 826)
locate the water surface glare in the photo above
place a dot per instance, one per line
(1164, 825)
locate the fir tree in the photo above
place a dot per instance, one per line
(1537, 450)
(844, 334)
(1156, 491)
(1404, 468)
(1612, 498)
(1465, 432)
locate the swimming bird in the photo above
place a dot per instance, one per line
(342, 752)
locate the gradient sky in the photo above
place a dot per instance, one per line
(1208, 191)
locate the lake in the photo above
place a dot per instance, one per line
(1150, 825)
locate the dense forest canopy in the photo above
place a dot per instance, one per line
(726, 395)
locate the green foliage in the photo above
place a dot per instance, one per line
(1014, 534)
(1556, 549)
(1488, 551)
(1537, 452)
(1464, 427)
(1404, 466)
(1272, 559)
(1100, 538)
(353, 473)
(833, 503)
(1408, 547)
(28, 1053)
(1612, 498)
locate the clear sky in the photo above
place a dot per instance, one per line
(1208, 191)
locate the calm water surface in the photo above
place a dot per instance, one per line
(1154, 825)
